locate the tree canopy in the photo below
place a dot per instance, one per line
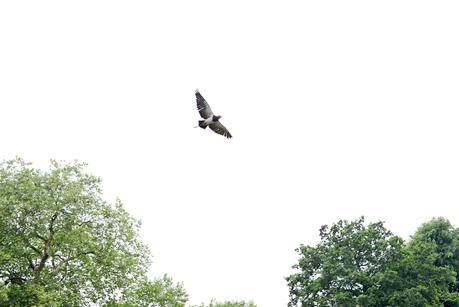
(358, 265)
(63, 245)
(214, 303)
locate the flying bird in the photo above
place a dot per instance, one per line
(209, 118)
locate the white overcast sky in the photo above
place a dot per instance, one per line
(337, 108)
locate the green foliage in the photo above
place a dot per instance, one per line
(419, 279)
(435, 247)
(344, 266)
(65, 246)
(358, 265)
(214, 303)
(157, 293)
(445, 238)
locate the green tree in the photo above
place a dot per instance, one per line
(161, 292)
(345, 266)
(62, 244)
(433, 261)
(354, 265)
(214, 303)
(445, 238)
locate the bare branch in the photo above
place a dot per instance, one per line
(36, 250)
(40, 237)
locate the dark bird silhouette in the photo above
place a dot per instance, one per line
(209, 118)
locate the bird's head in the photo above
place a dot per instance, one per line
(217, 117)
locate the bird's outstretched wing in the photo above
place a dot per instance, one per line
(203, 107)
(220, 129)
